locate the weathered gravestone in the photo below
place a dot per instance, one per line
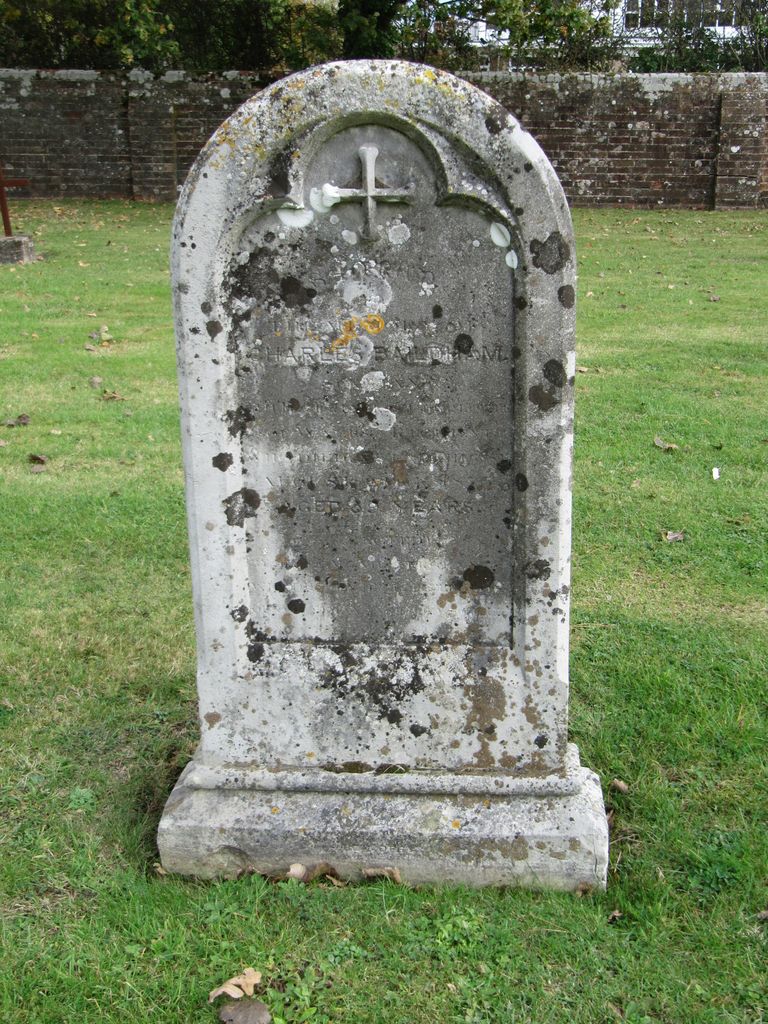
(373, 269)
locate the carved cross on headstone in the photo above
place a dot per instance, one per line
(4, 184)
(370, 193)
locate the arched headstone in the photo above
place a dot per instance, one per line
(373, 274)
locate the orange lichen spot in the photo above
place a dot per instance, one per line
(455, 823)
(275, 810)
(372, 323)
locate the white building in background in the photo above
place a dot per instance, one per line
(641, 21)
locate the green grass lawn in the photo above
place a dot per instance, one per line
(669, 665)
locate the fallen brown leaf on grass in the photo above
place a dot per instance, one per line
(237, 987)
(666, 446)
(583, 889)
(3, 443)
(20, 421)
(308, 872)
(251, 1011)
(111, 396)
(391, 873)
(95, 381)
(619, 786)
(90, 348)
(614, 916)
(763, 915)
(37, 460)
(673, 535)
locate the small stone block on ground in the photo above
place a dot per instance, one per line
(16, 249)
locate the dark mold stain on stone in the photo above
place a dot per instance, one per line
(504, 465)
(213, 327)
(541, 741)
(418, 730)
(437, 312)
(295, 294)
(364, 456)
(552, 254)
(222, 461)
(294, 404)
(301, 562)
(479, 577)
(538, 570)
(385, 687)
(521, 302)
(296, 605)
(240, 614)
(363, 411)
(496, 121)
(554, 373)
(445, 431)
(544, 399)
(521, 481)
(238, 420)
(527, 167)
(240, 505)
(566, 295)
(255, 652)
(206, 308)
(287, 510)
(212, 718)
(279, 184)
(280, 587)
(463, 344)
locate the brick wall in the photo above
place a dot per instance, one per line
(646, 140)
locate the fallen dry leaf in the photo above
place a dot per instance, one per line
(237, 987)
(391, 873)
(3, 443)
(82, 263)
(666, 446)
(39, 460)
(111, 396)
(20, 421)
(714, 298)
(37, 468)
(251, 1011)
(583, 889)
(614, 916)
(619, 786)
(90, 348)
(159, 869)
(308, 872)
(763, 915)
(95, 381)
(673, 535)
(56, 432)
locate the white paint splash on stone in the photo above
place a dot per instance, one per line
(324, 198)
(398, 233)
(511, 259)
(293, 218)
(383, 419)
(350, 237)
(500, 235)
(372, 382)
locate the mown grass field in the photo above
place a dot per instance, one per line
(669, 666)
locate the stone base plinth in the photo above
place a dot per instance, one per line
(477, 830)
(16, 249)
